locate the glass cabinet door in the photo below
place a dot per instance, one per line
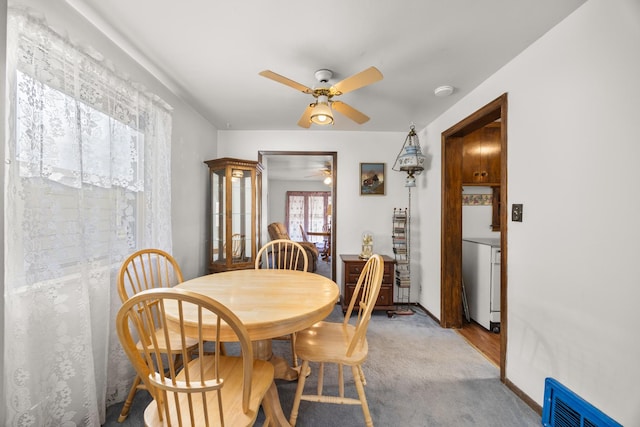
(241, 215)
(233, 213)
(217, 215)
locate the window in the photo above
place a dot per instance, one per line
(87, 182)
(84, 162)
(307, 209)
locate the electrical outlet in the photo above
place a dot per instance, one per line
(516, 212)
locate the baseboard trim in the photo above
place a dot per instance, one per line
(430, 314)
(523, 396)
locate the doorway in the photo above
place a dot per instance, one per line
(451, 239)
(303, 168)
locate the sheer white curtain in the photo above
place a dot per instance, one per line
(295, 215)
(87, 183)
(306, 209)
(317, 212)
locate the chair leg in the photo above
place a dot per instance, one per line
(124, 413)
(293, 350)
(296, 401)
(320, 378)
(223, 352)
(362, 377)
(363, 398)
(177, 362)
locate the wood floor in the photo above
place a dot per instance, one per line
(488, 343)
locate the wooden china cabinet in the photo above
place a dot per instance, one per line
(232, 215)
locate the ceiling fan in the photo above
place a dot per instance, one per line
(320, 111)
(323, 172)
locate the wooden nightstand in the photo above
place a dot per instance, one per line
(352, 266)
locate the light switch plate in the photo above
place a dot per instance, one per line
(516, 212)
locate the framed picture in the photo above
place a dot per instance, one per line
(371, 179)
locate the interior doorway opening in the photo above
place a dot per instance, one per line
(451, 239)
(290, 170)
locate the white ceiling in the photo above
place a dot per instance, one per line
(210, 52)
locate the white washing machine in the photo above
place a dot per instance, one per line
(481, 275)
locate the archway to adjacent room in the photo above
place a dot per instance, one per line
(451, 238)
(305, 164)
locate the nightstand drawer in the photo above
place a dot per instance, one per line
(387, 278)
(355, 267)
(353, 270)
(385, 297)
(352, 267)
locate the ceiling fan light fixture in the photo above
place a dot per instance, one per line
(322, 114)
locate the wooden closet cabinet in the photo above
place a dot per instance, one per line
(481, 156)
(352, 266)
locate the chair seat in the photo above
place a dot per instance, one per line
(328, 342)
(174, 340)
(232, 372)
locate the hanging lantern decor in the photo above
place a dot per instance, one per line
(410, 159)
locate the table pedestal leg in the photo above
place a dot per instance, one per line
(273, 409)
(263, 350)
(271, 403)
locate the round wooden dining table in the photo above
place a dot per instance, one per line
(270, 304)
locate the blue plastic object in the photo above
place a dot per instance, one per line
(563, 408)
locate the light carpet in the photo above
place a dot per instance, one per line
(418, 374)
(323, 268)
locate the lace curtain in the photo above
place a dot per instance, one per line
(295, 215)
(317, 213)
(306, 209)
(87, 183)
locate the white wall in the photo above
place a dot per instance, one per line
(193, 138)
(3, 61)
(355, 213)
(476, 219)
(573, 150)
(194, 142)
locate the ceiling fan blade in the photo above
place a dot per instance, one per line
(285, 81)
(350, 112)
(363, 78)
(305, 119)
